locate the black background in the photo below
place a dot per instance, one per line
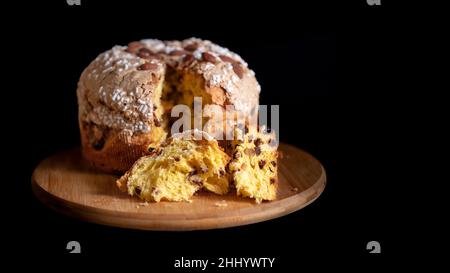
(341, 114)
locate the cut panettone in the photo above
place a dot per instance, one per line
(126, 94)
(126, 99)
(253, 166)
(184, 164)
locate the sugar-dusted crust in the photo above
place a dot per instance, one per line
(117, 94)
(115, 91)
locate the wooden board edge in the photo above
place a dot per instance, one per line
(122, 220)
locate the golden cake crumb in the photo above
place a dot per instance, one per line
(254, 166)
(177, 169)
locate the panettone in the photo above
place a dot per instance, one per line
(126, 94)
(126, 97)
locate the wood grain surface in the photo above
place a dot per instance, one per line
(66, 183)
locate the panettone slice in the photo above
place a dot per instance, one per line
(254, 167)
(184, 164)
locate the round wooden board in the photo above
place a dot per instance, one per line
(66, 183)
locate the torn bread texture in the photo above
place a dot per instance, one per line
(177, 169)
(254, 166)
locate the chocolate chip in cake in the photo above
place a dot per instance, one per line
(227, 59)
(197, 180)
(133, 47)
(191, 47)
(274, 163)
(191, 173)
(221, 172)
(98, 144)
(137, 191)
(145, 53)
(273, 180)
(148, 66)
(208, 57)
(258, 142)
(258, 150)
(155, 191)
(177, 158)
(237, 155)
(177, 53)
(151, 149)
(261, 164)
(237, 68)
